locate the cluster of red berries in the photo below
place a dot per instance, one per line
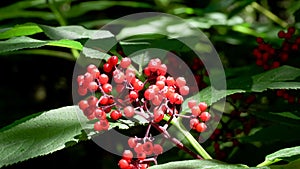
(268, 57)
(200, 72)
(159, 95)
(288, 96)
(143, 148)
(224, 139)
(199, 115)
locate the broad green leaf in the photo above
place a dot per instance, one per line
(210, 96)
(286, 118)
(287, 154)
(198, 164)
(23, 42)
(292, 165)
(18, 43)
(94, 54)
(40, 135)
(66, 43)
(74, 32)
(20, 30)
(278, 132)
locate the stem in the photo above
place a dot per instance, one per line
(267, 163)
(61, 20)
(190, 138)
(269, 14)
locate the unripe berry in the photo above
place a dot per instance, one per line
(125, 62)
(128, 111)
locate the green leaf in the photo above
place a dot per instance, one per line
(38, 136)
(210, 96)
(74, 32)
(198, 164)
(286, 118)
(20, 30)
(23, 42)
(287, 154)
(18, 43)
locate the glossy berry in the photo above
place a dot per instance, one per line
(83, 104)
(113, 60)
(202, 106)
(127, 155)
(125, 62)
(148, 148)
(180, 81)
(192, 103)
(103, 78)
(128, 111)
(100, 114)
(92, 101)
(201, 127)
(149, 94)
(133, 95)
(193, 123)
(158, 115)
(196, 111)
(115, 114)
(170, 81)
(107, 67)
(205, 116)
(107, 88)
(123, 164)
(184, 90)
(93, 86)
(82, 91)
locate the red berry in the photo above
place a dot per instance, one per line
(157, 100)
(147, 71)
(148, 147)
(139, 148)
(141, 155)
(184, 90)
(196, 111)
(127, 155)
(115, 115)
(180, 81)
(95, 73)
(107, 88)
(125, 62)
(162, 70)
(123, 164)
(119, 88)
(100, 114)
(158, 116)
(280, 92)
(157, 149)
(104, 124)
(92, 101)
(82, 91)
(259, 40)
(88, 77)
(291, 30)
(98, 126)
(113, 60)
(107, 67)
(205, 116)
(132, 142)
(83, 104)
(170, 81)
(138, 85)
(202, 106)
(133, 95)
(149, 94)
(160, 84)
(103, 100)
(201, 127)
(193, 123)
(80, 79)
(93, 86)
(119, 77)
(281, 34)
(161, 78)
(103, 78)
(128, 111)
(192, 103)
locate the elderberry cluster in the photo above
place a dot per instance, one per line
(121, 94)
(269, 57)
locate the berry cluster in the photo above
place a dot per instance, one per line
(198, 112)
(225, 138)
(142, 147)
(269, 57)
(287, 95)
(121, 94)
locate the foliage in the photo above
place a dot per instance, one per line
(53, 34)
